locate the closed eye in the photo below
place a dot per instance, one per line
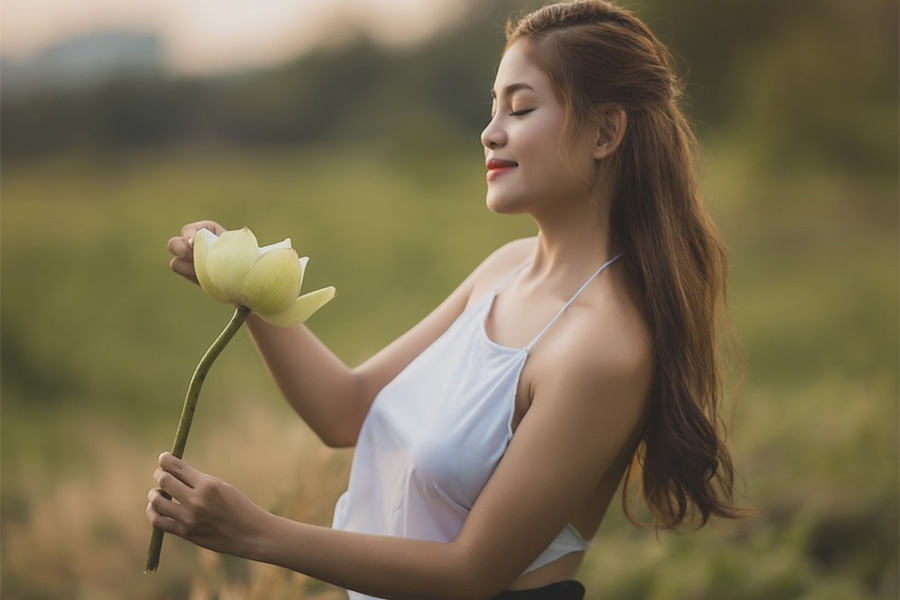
(520, 113)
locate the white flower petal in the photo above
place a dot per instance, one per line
(303, 262)
(285, 243)
(229, 261)
(302, 309)
(203, 242)
(273, 282)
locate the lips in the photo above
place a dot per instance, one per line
(497, 167)
(496, 163)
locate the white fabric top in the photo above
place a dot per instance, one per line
(435, 433)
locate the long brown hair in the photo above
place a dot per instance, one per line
(599, 56)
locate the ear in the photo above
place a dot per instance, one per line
(610, 131)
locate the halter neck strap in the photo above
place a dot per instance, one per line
(538, 337)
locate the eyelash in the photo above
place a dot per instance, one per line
(516, 113)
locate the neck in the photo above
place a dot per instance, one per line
(574, 239)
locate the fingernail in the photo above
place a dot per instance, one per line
(191, 242)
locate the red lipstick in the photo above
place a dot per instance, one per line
(497, 167)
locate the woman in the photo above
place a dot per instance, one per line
(492, 436)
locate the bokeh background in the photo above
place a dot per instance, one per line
(353, 127)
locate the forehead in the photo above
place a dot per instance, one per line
(517, 68)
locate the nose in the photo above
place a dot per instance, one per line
(493, 135)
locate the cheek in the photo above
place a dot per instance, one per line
(540, 146)
(543, 139)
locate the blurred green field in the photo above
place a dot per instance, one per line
(99, 340)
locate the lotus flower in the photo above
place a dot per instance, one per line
(233, 269)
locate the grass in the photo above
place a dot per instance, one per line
(99, 340)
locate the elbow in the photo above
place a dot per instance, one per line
(341, 432)
(338, 438)
(347, 422)
(341, 427)
(333, 432)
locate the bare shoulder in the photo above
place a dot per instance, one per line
(602, 344)
(500, 263)
(509, 255)
(618, 331)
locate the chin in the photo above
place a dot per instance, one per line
(500, 205)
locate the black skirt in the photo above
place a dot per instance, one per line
(561, 590)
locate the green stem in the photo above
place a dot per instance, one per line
(187, 413)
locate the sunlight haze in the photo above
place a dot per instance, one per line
(202, 36)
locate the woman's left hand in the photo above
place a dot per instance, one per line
(202, 509)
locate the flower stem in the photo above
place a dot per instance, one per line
(187, 413)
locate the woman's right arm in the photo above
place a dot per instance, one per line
(331, 397)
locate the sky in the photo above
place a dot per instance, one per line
(206, 36)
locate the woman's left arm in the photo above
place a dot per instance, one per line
(580, 419)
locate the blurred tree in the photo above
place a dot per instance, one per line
(812, 78)
(824, 88)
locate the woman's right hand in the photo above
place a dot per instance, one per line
(182, 247)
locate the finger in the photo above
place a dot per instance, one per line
(159, 521)
(180, 248)
(183, 268)
(171, 485)
(179, 469)
(165, 507)
(189, 231)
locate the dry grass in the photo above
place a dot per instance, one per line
(84, 535)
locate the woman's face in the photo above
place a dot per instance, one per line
(526, 171)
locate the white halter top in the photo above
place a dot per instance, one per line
(434, 435)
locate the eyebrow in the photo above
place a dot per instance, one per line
(512, 89)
